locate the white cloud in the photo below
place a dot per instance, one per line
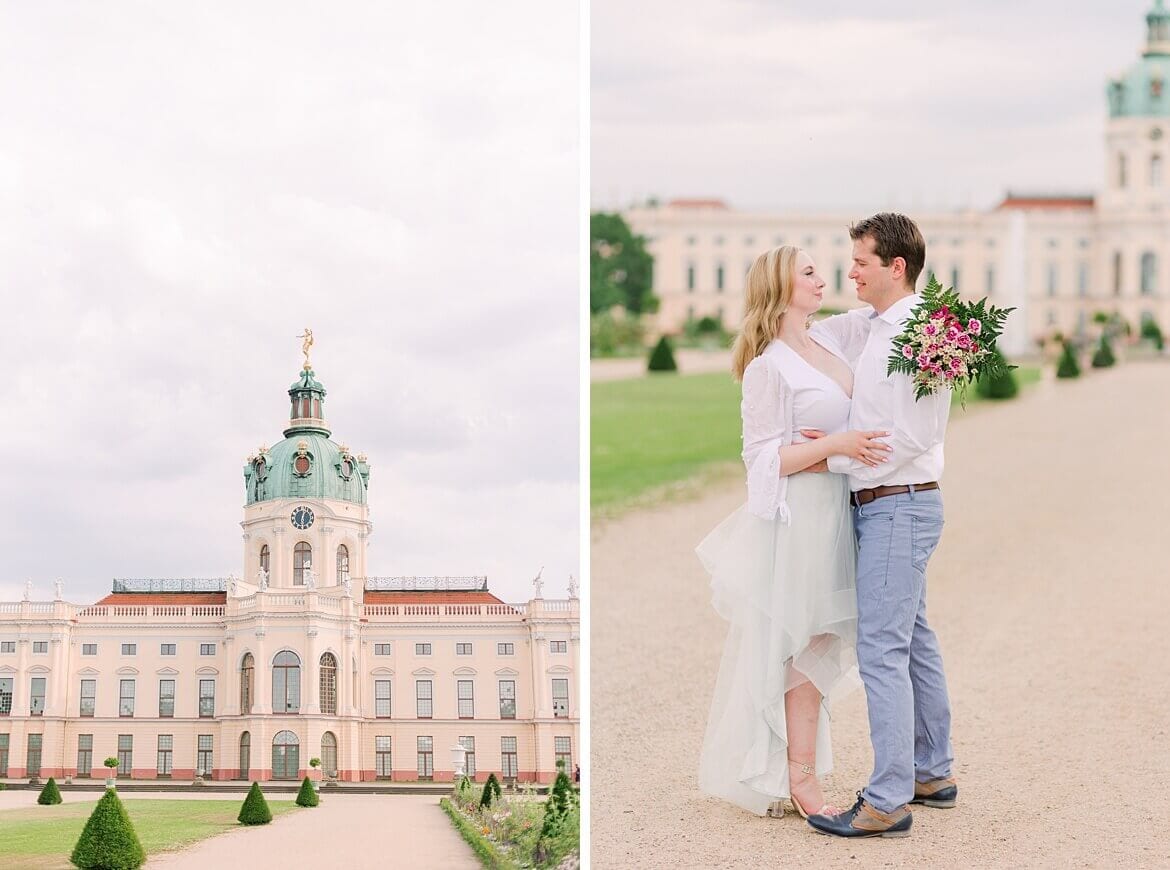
(183, 191)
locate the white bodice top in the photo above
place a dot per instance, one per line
(782, 394)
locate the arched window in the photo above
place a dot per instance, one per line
(247, 675)
(302, 561)
(245, 755)
(1117, 273)
(1156, 170)
(264, 558)
(329, 684)
(286, 755)
(342, 562)
(329, 754)
(1149, 273)
(286, 683)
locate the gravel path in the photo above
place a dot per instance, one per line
(1050, 593)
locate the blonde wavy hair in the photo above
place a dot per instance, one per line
(767, 297)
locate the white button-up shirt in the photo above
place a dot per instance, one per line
(886, 402)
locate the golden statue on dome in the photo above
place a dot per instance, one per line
(308, 343)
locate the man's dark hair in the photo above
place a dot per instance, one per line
(894, 235)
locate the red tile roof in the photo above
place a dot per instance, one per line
(431, 598)
(1013, 201)
(697, 203)
(164, 598)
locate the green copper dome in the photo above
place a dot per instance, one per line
(306, 464)
(1144, 91)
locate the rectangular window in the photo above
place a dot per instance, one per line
(125, 755)
(9, 646)
(468, 743)
(89, 649)
(955, 279)
(383, 766)
(40, 647)
(690, 277)
(166, 699)
(382, 699)
(126, 698)
(1083, 280)
(509, 763)
(166, 649)
(33, 762)
(206, 698)
(505, 649)
(203, 760)
(381, 649)
(422, 695)
(1052, 279)
(719, 278)
(422, 649)
(507, 699)
(838, 279)
(6, 696)
(462, 649)
(990, 280)
(426, 758)
(88, 697)
(36, 701)
(84, 754)
(166, 754)
(3, 755)
(558, 646)
(465, 692)
(563, 752)
(206, 649)
(129, 649)
(560, 698)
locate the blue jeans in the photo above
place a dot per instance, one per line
(898, 654)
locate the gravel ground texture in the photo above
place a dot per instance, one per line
(1050, 593)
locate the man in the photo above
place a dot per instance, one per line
(898, 516)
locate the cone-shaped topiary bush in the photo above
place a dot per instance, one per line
(108, 841)
(1001, 385)
(255, 809)
(307, 797)
(50, 794)
(491, 790)
(1152, 332)
(662, 357)
(1068, 367)
(1103, 358)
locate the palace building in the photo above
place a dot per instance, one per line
(1058, 258)
(307, 655)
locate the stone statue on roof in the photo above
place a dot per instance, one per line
(306, 344)
(58, 585)
(538, 583)
(262, 577)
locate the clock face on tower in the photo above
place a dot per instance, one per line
(302, 518)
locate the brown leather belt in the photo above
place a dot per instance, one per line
(865, 496)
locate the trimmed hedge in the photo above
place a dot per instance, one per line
(487, 851)
(491, 789)
(1002, 385)
(50, 794)
(255, 809)
(1068, 367)
(662, 357)
(1103, 358)
(307, 796)
(108, 841)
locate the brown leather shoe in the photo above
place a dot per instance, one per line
(864, 820)
(938, 793)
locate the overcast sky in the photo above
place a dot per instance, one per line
(184, 188)
(781, 105)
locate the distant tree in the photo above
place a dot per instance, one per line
(662, 357)
(620, 268)
(108, 841)
(1068, 367)
(50, 794)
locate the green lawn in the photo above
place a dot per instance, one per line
(652, 434)
(43, 837)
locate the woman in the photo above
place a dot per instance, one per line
(783, 566)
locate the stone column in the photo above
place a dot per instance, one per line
(311, 692)
(263, 675)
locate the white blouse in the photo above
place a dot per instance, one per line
(782, 394)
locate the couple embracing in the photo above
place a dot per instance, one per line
(822, 574)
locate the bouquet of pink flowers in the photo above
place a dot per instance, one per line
(949, 343)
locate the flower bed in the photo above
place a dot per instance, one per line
(508, 833)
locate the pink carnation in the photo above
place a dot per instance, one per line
(923, 361)
(907, 351)
(964, 342)
(952, 334)
(931, 329)
(950, 376)
(956, 364)
(975, 326)
(939, 315)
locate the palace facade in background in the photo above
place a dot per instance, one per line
(1058, 259)
(307, 656)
